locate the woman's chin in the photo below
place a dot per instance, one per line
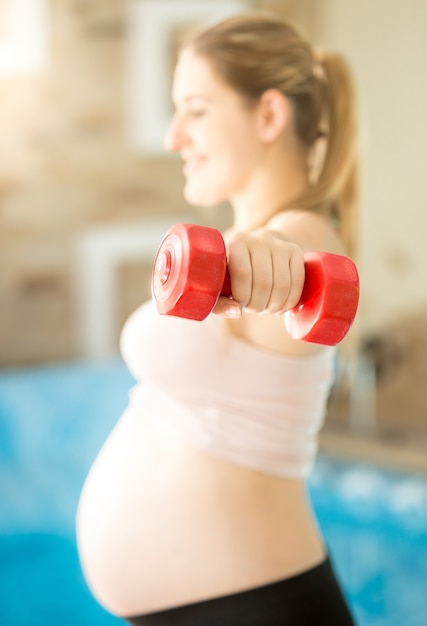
(201, 196)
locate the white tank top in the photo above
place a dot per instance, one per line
(227, 397)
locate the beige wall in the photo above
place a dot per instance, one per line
(66, 164)
(386, 44)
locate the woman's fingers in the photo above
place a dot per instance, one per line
(240, 269)
(228, 307)
(267, 272)
(261, 279)
(296, 273)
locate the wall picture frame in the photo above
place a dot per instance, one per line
(155, 28)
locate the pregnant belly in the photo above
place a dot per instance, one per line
(161, 524)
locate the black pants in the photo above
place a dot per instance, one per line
(313, 598)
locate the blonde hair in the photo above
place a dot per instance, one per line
(257, 51)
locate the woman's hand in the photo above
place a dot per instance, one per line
(266, 271)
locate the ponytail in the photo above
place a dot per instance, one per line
(334, 192)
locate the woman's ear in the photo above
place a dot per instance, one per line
(274, 113)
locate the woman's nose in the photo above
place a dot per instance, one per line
(175, 136)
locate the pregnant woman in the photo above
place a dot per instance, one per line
(195, 511)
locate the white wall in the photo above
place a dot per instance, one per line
(386, 44)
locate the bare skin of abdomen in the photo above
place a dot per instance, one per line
(161, 524)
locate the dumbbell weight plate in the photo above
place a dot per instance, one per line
(189, 271)
(329, 300)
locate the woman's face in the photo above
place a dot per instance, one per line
(215, 132)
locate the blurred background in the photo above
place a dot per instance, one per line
(86, 194)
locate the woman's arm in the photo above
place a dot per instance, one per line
(267, 276)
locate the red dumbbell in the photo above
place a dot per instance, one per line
(190, 273)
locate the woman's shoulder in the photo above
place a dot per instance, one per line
(307, 229)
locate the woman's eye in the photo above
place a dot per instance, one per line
(197, 113)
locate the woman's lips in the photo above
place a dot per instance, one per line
(193, 164)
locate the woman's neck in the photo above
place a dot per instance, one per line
(268, 192)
